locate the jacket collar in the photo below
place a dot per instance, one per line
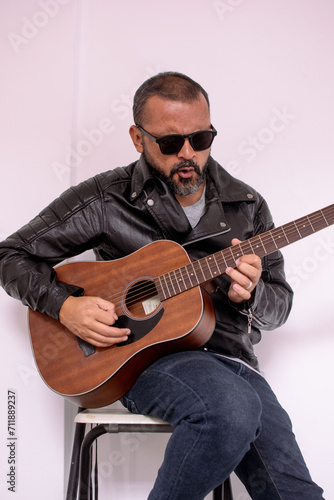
(140, 177)
(220, 184)
(221, 188)
(228, 189)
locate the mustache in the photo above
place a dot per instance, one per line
(185, 164)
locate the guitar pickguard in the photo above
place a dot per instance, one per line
(139, 328)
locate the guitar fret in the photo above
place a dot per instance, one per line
(300, 236)
(285, 234)
(310, 223)
(257, 244)
(270, 244)
(212, 265)
(279, 236)
(273, 239)
(299, 229)
(200, 268)
(165, 287)
(177, 281)
(264, 248)
(250, 244)
(194, 273)
(160, 287)
(171, 282)
(231, 251)
(205, 267)
(180, 280)
(185, 277)
(169, 285)
(246, 247)
(207, 260)
(235, 249)
(189, 278)
(327, 223)
(219, 270)
(304, 226)
(222, 253)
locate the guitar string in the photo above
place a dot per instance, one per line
(264, 237)
(221, 260)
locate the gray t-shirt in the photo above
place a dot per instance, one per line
(195, 212)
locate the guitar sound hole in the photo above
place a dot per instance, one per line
(142, 298)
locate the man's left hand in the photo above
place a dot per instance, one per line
(244, 277)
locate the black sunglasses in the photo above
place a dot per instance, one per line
(172, 144)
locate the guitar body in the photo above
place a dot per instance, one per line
(92, 377)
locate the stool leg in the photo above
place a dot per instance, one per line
(223, 491)
(227, 490)
(218, 493)
(73, 478)
(85, 460)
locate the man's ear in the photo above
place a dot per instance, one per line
(136, 137)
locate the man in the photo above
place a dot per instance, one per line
(226, 417)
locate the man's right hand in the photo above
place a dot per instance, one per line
(91, 319)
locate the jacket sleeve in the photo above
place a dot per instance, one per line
(272, 299)
(60, 231)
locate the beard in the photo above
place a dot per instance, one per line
(182, 186)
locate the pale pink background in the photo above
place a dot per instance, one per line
(70, 67)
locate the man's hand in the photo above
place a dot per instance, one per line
(244, 277)
(91, 319)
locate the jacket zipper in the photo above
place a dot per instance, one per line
(250, 319)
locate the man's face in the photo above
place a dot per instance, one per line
(184, 172)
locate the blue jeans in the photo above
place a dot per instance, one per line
(226, 419)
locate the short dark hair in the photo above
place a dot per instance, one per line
(170, 86)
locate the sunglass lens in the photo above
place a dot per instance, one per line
(202, 140)
(171, 145)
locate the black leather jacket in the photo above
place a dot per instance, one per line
(118, 212)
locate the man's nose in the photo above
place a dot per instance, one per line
(187, 151)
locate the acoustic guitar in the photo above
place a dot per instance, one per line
(158, 295)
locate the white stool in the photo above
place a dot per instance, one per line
(111, 420)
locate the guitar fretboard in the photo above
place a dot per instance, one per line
(214, 265)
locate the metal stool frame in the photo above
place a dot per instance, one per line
(79, 482)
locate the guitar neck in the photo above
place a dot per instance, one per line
(214, 265)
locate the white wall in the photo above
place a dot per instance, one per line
(36, 100)
(77, 72)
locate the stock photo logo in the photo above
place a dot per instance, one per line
(322, 252)
(280, 120)
(225, 7)
(256, 143)
(32, 26)
(92, 138)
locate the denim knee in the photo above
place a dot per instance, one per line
(235, 422)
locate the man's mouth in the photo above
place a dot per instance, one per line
(185, 172)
